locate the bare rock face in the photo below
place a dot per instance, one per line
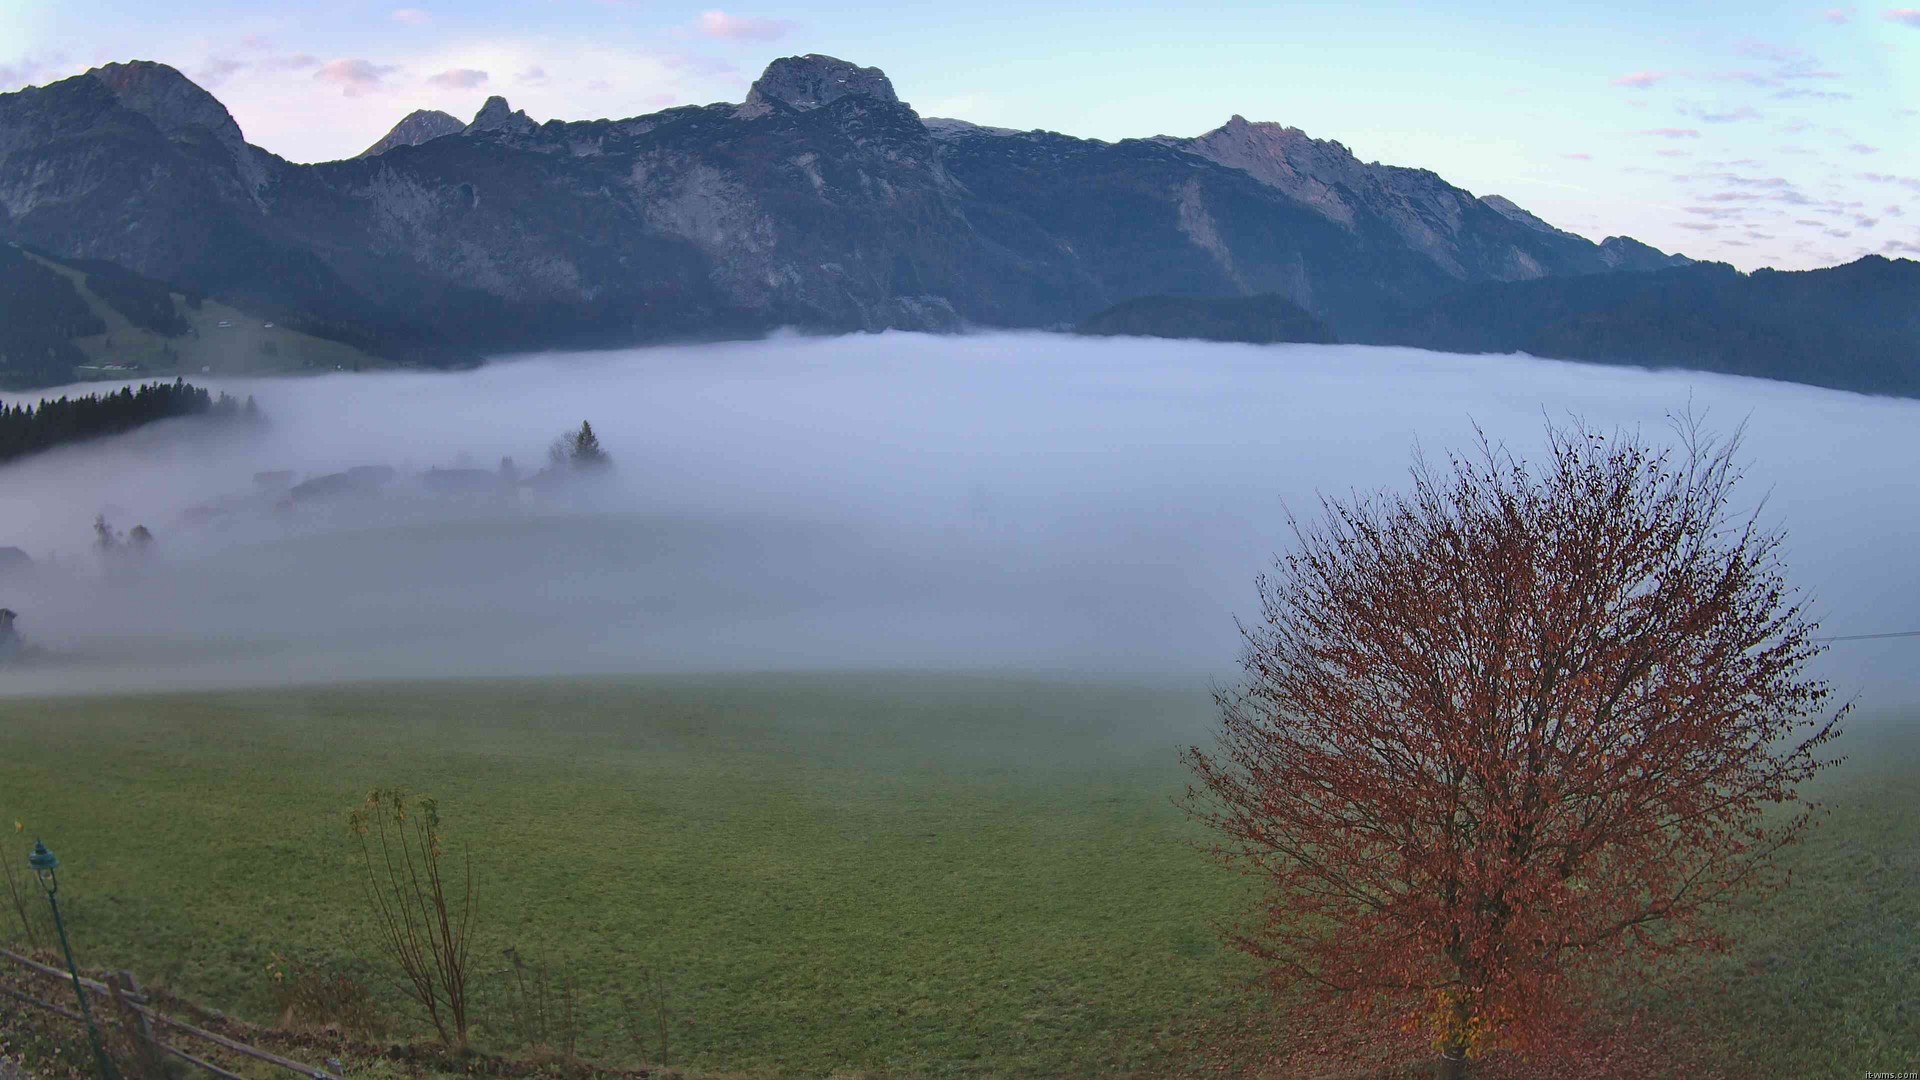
(421, 125)
(1465, 237)
(1512, 211)
(1309, 170)
(810, 81)
(1428, 213)
(497, 115)
(172, 101)
(184, 112)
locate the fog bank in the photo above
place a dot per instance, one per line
(1007, 501)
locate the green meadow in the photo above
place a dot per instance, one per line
(899, 875)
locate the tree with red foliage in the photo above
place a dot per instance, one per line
(1516, 727)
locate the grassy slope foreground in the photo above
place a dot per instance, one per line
(916, 876)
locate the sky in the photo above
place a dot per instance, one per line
(1014, 501)
(1755, 133)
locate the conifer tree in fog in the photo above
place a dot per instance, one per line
(586, 452)
(578, 450)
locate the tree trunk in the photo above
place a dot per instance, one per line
(1453, 1062)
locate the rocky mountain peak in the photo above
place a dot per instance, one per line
(171, 100)
(420, 126)
(1626, 253)
(497, 115)
(1513, 212)
(1320, 173)
(810, 81)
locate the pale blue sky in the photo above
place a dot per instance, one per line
(1778, 134)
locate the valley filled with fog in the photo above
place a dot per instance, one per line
(1006, 501)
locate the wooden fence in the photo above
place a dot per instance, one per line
(143, 1024)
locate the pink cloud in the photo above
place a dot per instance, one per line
(458, 78)
(535, 75)
(1909, 16)
(1837, 15)
(1672, 133)
(411, 16)
(1863, 148)
(354, 77)
(1639, 80)
(719, 24)
(1581, 156)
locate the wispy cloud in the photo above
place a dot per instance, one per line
(1640, 80)
(1908, 16)
(1756, 181)
(217, 70)
(458, 78)
(410, 16)
(721, 24)
(1579, 156)
(289, 62)
(1889, 178)
(1863, 148)
(1837, 15)
(1727, 116)
(1672, 133)
(353, 76)
(533, 76)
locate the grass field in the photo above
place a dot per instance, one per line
(907, 875)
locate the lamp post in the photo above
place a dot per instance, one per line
(44, 866)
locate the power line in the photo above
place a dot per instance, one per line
(1871, 637)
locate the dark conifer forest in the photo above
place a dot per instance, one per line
(29, 429)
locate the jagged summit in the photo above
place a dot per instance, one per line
(420, 126)
(813, 80)
(497, 115)
(175, 103)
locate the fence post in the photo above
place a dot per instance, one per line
(126, 994)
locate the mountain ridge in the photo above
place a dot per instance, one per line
(821, 201)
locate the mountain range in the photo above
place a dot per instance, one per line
(821, 202)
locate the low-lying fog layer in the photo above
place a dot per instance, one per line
(1003, 501)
